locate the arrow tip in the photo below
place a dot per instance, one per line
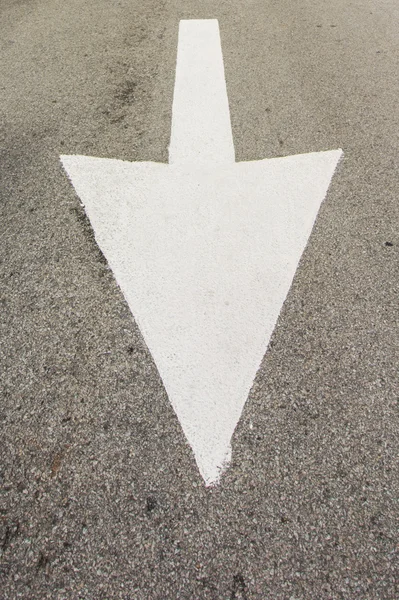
(213, 465)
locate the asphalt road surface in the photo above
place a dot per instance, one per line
(101, 495)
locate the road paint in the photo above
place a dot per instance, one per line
(204, 249)
(201, 129)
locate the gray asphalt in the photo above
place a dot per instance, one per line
(101, 498)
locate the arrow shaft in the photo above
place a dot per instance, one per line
(201, 129)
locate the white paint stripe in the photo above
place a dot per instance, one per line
(201, 129)
(205, 253)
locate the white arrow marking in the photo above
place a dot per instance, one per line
(204, 249)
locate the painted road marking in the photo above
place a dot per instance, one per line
(201, 129)
(204, 249)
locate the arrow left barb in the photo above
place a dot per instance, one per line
(204, 249)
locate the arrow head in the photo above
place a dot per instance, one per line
(205, 257)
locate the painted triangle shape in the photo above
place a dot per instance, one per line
(205, 257)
